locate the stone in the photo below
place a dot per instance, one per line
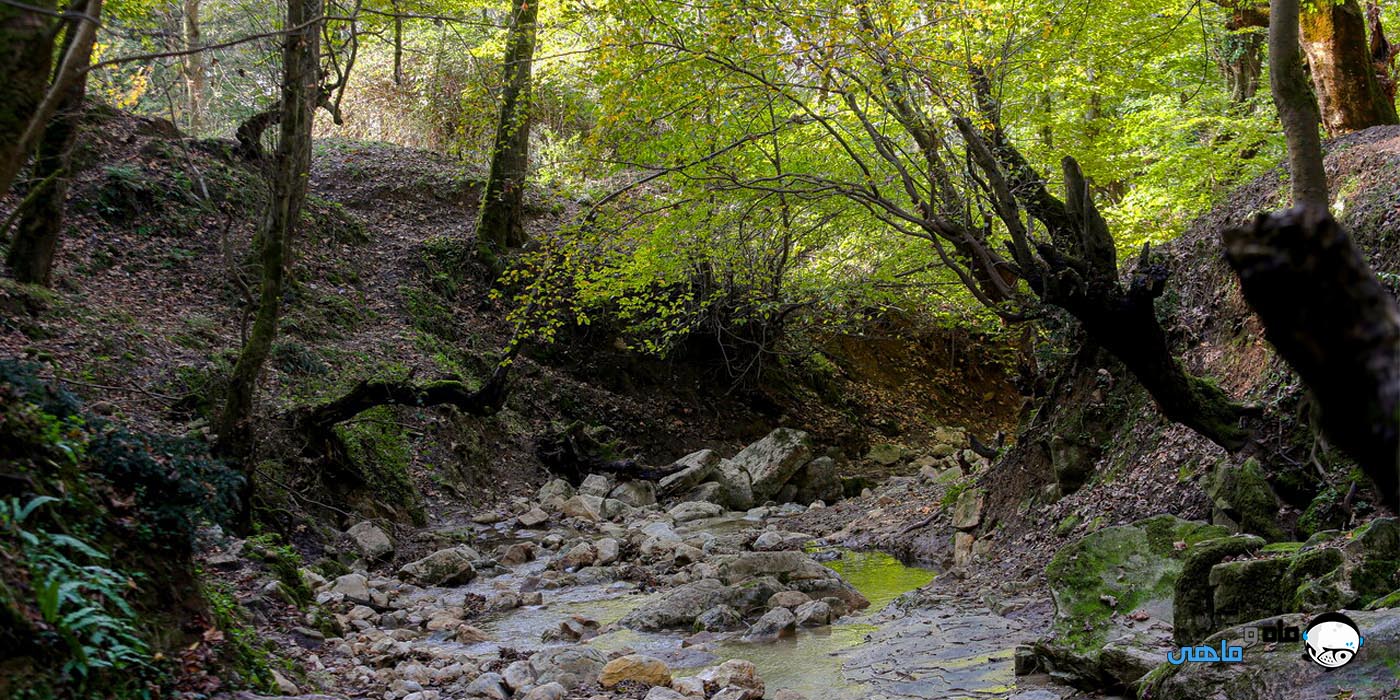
(1113, 584)
(685, 554)
(791, 569)
(608, 550)
(678, 607)
(772, 461)
(546, 691)
(445, 567)
(1072, 461)
(468, 634)
(693, 510)
(570, 667)
(1193, 611)
(689, 686)
(489, 685)
(708, 492)
(1281, 670)
(734, 673)
(372, 542)
(776, 623)
(689, 472)
(518, 554)
(732, 693)
(886, 454)
(354, 587)
(584, 507)
(661, 530)
(720, 618)
(635, 493)
(555, 493)
(735, 486)
(534, 517)
(1243, 499)
(638, 668)
(663, 693)
(768, 541)
(596, 485)
(284, 686)
(818, 481)
(581, 555)
(788, 599)
(614, 509)
(814, 613)
(787, 694)
(967, 511)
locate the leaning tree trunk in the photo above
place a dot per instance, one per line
(31, 253)
(26, 51)
(1350, 97)
(300, 62)
(500, 224)
(1323, 308)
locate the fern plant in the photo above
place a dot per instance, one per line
(79, 597)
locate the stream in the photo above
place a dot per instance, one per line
(898, 647)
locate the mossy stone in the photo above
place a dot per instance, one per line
(1242, 495)
(1193, 605)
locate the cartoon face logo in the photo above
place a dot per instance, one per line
(1332, 640)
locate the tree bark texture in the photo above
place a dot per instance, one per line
(1348, 94)
(32, 252)
(500, 224)
(1296, 107)
(26, 51)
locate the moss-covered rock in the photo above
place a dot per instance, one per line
(1101, 579)
(1193, 605)
(1243, 499)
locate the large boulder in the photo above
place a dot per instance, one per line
(776, 623)
(1281, 669)
(1243, 499)
(584, 507)
(596, 485)
(372, 542)
(690, 471)
(792, 569)
(678, 607)
(636, 493)
(554, 493)
(735, 490)
(445, 567)
(637, 668)
(1115, 584)
(770, 462)
(819, 480)
(693, 510)
(570, 667)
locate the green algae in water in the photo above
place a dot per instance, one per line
(878, 576)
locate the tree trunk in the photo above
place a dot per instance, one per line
(1242, 62)
(398, 44)
(1350, 97)
(301, 63)
(32, 252)
(194, 66)
(26, 51)
(1382, 53)
(501, 222)
(1323, 308)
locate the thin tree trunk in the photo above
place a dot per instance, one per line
(398, 44)
(1242, 61)
(194, 66)
(501, 221)
(26, 51)
(1296, 107)
(32, 251)
(1350, 97)
(301, 62)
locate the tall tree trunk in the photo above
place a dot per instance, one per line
(501, 222)
(290, 167)
(1382, 53)
(32, 252)
(398, 44)
(26, 51)
(194, 66)
(1350, 97)
(1323, 308)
